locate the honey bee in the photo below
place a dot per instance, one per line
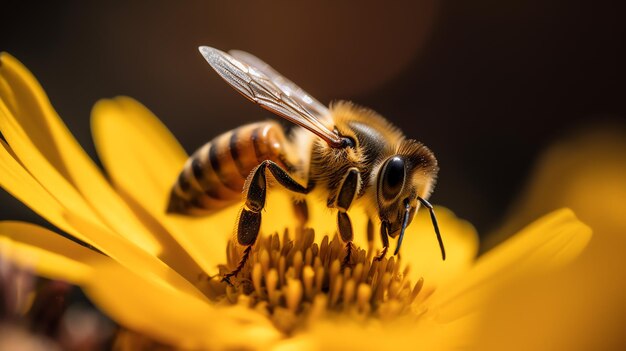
(345, 154)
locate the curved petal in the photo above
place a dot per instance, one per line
(52, 155)
(39, 168)
(25, 188)
(143, 160)
(406, 333)
(48, 253)
(582, 307)
(180, 319)
(548, 243)
(135, 259)
(18, 182)
(130, 298)
(140, 154)
(421, 250)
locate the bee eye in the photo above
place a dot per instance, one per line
(348, 142)
(393, 174)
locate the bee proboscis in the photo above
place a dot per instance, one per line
(345, 154)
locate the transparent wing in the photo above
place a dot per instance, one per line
(288, 87)
(255, 85)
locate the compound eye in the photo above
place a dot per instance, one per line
(348, 142)
(393, 174)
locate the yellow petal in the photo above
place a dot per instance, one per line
(564, 176)
(48, 253)
(48, 150)
(114, 246)
(421, 251)
(133, 257)
(143, 160)
(139, 153)
(56, 257)
(405, 333)
(134, 299)
(167, 315)
(581, 307)
(40, 168)
(18, 182)
(548, 243)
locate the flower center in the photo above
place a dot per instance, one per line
(296, 281)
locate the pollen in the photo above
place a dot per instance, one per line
(296, 281)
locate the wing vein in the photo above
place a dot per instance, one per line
(261, 84)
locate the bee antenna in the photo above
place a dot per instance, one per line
(405, 223)
(435, 225)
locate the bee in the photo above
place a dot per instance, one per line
(344, 154)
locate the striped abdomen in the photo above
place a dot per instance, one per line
(214, 176)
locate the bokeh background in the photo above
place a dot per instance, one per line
(486, 84)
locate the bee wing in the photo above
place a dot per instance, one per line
(254, 84)
(285, 85)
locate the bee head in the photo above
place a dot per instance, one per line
(403, 181)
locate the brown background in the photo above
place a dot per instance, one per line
(486, 84)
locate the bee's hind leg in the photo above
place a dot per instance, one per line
(240, 265)
(249, 221)
(248, 225)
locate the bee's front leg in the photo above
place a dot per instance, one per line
(384, 236)
(249, 222)
(301, 211)
(348, 190)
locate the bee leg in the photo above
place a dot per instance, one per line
(249, 222)
(248, 227)
(370, 230)
(385, 238)
(347, 192)
(240, 265)
(345, 231)
(370, 237)
(301, 210)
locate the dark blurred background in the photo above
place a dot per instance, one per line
(486, 84)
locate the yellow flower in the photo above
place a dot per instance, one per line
(147, 272)
(584, 304)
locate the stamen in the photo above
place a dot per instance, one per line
(295, 281)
